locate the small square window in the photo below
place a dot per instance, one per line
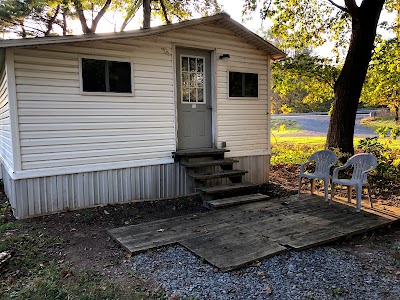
(243, 84)
(106, 76)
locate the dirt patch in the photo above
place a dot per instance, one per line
(87, 245)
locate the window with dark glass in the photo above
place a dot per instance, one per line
(106, 76)
(243, 84)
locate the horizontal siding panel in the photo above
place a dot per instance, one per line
(95, 126)
(51, 83)
(104, 145)
(120, 139)
(93, 99)
(55, 135)
(96, 160)
(46, 61)
(39, 75)
(25, 67)
(91, 119)
(95, 113)
(96, 153)
(54, 104)
(47, 90)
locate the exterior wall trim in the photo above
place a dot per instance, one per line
(15, 175)
(13, 107)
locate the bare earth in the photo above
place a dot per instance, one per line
(88, 246)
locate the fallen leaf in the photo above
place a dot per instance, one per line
(106, 212)
(161, 230)
(267, 290)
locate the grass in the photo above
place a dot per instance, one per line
(376, 122)
(284, 126)
(296, 150)
(34, 273)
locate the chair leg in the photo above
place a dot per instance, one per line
(298, 194)
(369, 195)
(359, 194)
(326, 185)
(332, 192)
(312, 186)
(349, 193)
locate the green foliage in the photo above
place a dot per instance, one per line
(394, 132)
(284, 126)
(388, 159)
(287, 153)
(304, 82)
(382, 131)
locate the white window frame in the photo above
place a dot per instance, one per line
(204, 82)
(107, 58)
(243, 98)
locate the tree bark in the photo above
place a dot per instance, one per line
(349, 84)
(52, 20)
(164, 10)
(396, 114)
(146, 14)
(82, 19)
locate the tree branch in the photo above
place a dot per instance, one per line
(100, 15)
(338, 6)
(52, 20)
(352, 7)
(164, 10)
(81, 16)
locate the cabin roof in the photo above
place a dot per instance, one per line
(222, 19)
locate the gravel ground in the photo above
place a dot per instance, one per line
(318, 273)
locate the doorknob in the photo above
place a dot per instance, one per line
(209, 107)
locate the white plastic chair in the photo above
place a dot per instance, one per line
(324, 160)
(362, 164)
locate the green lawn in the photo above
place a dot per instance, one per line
(284, 126)
(375, 123)
(295, 150)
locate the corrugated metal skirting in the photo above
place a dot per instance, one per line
(43, 195)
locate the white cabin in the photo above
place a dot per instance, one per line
(94, 119)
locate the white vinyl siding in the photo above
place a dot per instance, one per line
(60, 128)
(5, 128)
(241, 123)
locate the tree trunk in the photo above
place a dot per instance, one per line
(349, 84)
(64, 22)
(52, 20)
(146, 14)
(396, 114)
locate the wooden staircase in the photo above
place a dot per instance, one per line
(208, 167)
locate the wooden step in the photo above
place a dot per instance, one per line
(216, 175)
(226, 202)
(226, 187)
(210, 163)
(208, 152)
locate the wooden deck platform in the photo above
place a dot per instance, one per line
(235, 236)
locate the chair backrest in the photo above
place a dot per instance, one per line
(362, 162)
(324, 159)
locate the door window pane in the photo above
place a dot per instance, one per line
(192, 79)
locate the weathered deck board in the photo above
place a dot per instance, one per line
(236, 236)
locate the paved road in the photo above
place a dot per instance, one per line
(317, 125)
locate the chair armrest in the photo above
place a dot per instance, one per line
(337, 169)
(303, 165)
(369, 170)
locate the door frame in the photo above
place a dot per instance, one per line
(213, 90)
